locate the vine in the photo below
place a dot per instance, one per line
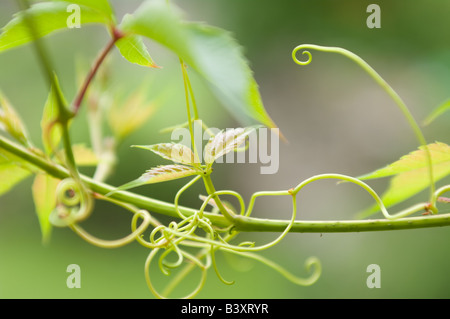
(193, 228)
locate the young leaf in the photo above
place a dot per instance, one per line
(411, 174)
(129, 116)
(224, 142)
(212, 52)
(159, 174)
(133, 49)
(44, 196)
(177, 153)
(440, 153)
(12, 122)
(51, 133)
(46, 18)
(10, 174)
(84, 156)
(438, 111)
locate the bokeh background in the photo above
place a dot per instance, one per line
(335, 118)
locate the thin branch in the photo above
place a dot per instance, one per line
(251, 224)
(116, 35)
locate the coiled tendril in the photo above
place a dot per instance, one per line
(175, 235)
(390, 91)
(73, 203)
(197, 232)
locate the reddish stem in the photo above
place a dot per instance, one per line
(116, 35)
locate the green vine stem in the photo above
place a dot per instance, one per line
(75, 193)
(386, 87)
(241, 223)
(188, 92)
(293, 192)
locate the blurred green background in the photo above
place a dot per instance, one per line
(335, 118)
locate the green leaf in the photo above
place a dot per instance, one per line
(44, 196)
(411, 174)
(211, 51)
(438, 111)
(46, 17)
(219, 59)
(12, 122)
(133, 49)
(159, 174)
(175, 152)
(160, 22)
(51, 133)
(101, 6)
(224, 142)
(10, 173)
